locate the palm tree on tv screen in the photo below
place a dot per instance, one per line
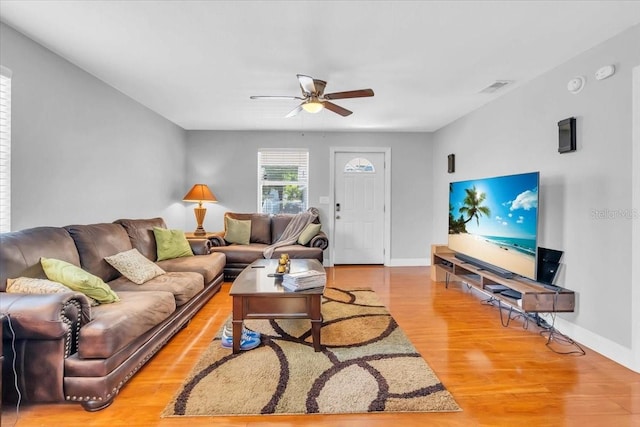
(473, 205)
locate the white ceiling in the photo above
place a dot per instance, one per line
(197, 62)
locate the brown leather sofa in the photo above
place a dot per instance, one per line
(67, 350)
(265, 230)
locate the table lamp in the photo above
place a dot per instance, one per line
(200, 193)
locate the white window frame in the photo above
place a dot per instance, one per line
(286, 157)
(5, 149)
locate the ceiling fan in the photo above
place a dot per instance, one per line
(314, 99)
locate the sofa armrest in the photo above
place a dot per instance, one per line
(47, 316)
(320, 240)
(217, 240)
(200, 246)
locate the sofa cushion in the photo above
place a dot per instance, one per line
(113, 326)
(237, 231)
(307, 234)
(209, 266)
(134, 266)
(78, 280)
(141, 235)
(238, 255)
(97, 241)
(260, 225)
(279, 223)
(299, 252)
(20, 251)
(182, 285)
(241, 254)
(171, 243)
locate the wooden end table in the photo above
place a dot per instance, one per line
(256, 295)
(207, 236)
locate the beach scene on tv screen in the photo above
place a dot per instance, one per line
(495, 220)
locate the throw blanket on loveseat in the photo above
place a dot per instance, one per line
(293, 231)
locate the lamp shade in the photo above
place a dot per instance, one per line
(312, 106)
(200, 193)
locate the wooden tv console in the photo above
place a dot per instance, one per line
(445, 267)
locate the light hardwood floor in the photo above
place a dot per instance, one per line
(500, 376)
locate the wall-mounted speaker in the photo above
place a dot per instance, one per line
(451, 163)
(567, 135)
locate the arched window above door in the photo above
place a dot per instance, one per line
(359, 165)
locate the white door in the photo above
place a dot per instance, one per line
(359, 196)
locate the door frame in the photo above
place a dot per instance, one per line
(386, 239)
(634, 357)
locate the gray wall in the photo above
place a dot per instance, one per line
(586, 196)
(83, 152)
(227, 162)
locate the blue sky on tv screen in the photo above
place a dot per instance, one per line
(512, 201)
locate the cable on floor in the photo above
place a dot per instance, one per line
(13, 365)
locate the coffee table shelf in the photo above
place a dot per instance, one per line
(257, 294)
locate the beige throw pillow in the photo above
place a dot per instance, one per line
(134, 266)
(28, 285)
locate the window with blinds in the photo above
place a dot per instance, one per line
(5, 149)
(283, 181)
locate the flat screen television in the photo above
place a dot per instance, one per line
(493, 223)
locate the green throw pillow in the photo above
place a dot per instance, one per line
(171, 244)
(79, 280)
(237, 231)
(308, 233)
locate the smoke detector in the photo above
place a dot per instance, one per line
(576, 84)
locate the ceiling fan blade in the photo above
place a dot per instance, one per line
(294, 112)
(361, 93)
(336, 108)
(274, 97)
(306, 84)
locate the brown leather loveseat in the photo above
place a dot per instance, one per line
(68, 350)
(266, 229)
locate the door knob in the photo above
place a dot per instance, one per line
(337, 216)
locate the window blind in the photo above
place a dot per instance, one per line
(5, 149)
(283, 177)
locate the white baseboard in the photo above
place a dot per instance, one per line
(409, 262)
(612, 350)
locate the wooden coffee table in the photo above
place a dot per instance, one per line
(256, 295)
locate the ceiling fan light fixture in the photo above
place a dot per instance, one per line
(312, 106)
(315, 100)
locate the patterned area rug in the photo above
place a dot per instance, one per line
(367, 365)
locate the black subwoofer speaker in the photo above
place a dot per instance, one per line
(548, 264)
